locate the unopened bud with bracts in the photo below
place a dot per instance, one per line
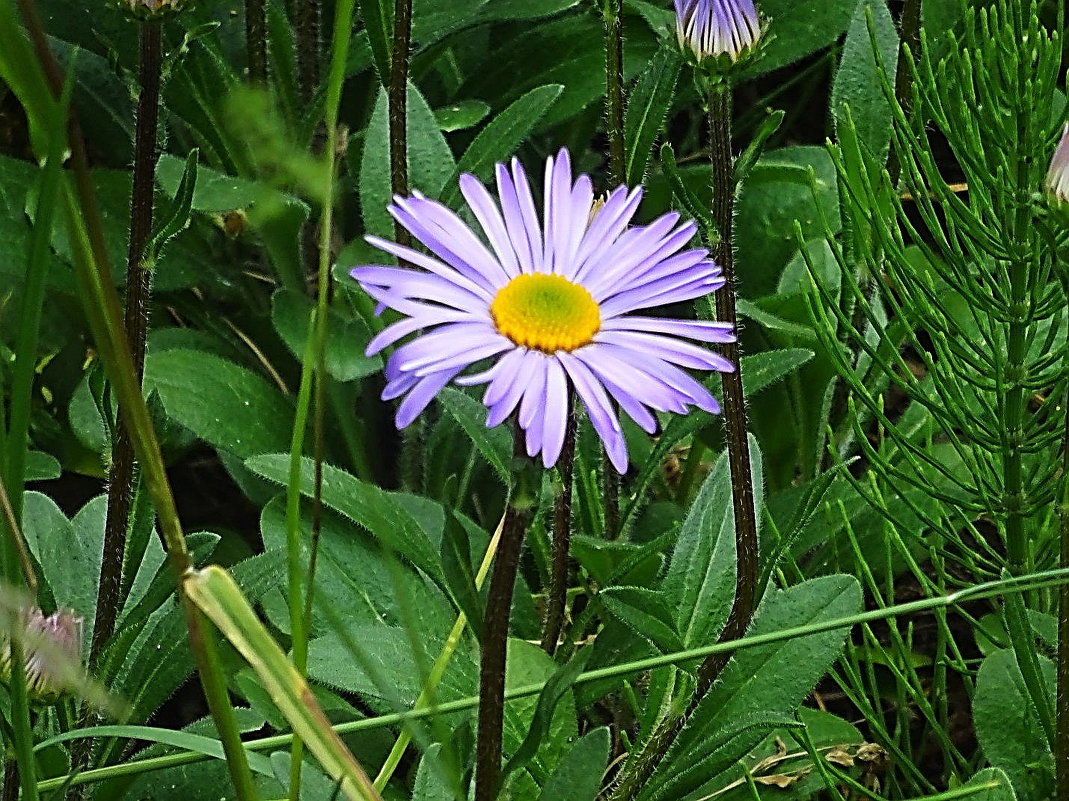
(717, 33)
(152, 9)
(51, 652)
(1058, 176)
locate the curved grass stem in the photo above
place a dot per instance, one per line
(955, 600)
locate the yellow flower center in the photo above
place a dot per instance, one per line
(546, 312)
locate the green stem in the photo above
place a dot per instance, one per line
(20, 714)
(978, 592)
(1016, 501)
(314, 367)
(556, 601)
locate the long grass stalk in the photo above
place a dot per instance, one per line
(314, 374)
(101, 305)
(17, 565)
(987, 590)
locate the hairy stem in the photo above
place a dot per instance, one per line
(494, 650)
(614, 112)
(640, 768)
(614, 89)
(735, 426)
(308, 14)
(397, 97)
(256, 41)
(562, 538)
(135, 319)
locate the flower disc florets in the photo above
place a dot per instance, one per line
(548, 301)
(546, 313)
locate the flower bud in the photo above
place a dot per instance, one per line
(152, 9)
(52, 653)
(1058, 176)
(719, 31)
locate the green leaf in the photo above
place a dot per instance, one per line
(700, 584)
(351, 565)
(857, 83)
(761, 370)
(347, 336)
(557, 687)
(63, 553)
(385, 669)
(461, 115)
(42, 466)
(225, 405)
(502, 136)
(378, 23)
(430, 160)
(773, 679)
(578, 775)
(381, 513)
(495, 444)
(529, 664)
(647, 107)
(430, 782)
(458, 573)
(176, 218)
(797, 29)
(776, 194)
(995, 783)
(1008, 727)
(645, 612)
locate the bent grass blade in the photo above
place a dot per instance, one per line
(214, 591)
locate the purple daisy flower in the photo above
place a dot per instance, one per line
(551, 301)
(712, 28)
(1058, 175)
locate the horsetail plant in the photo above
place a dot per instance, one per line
(978, 343)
